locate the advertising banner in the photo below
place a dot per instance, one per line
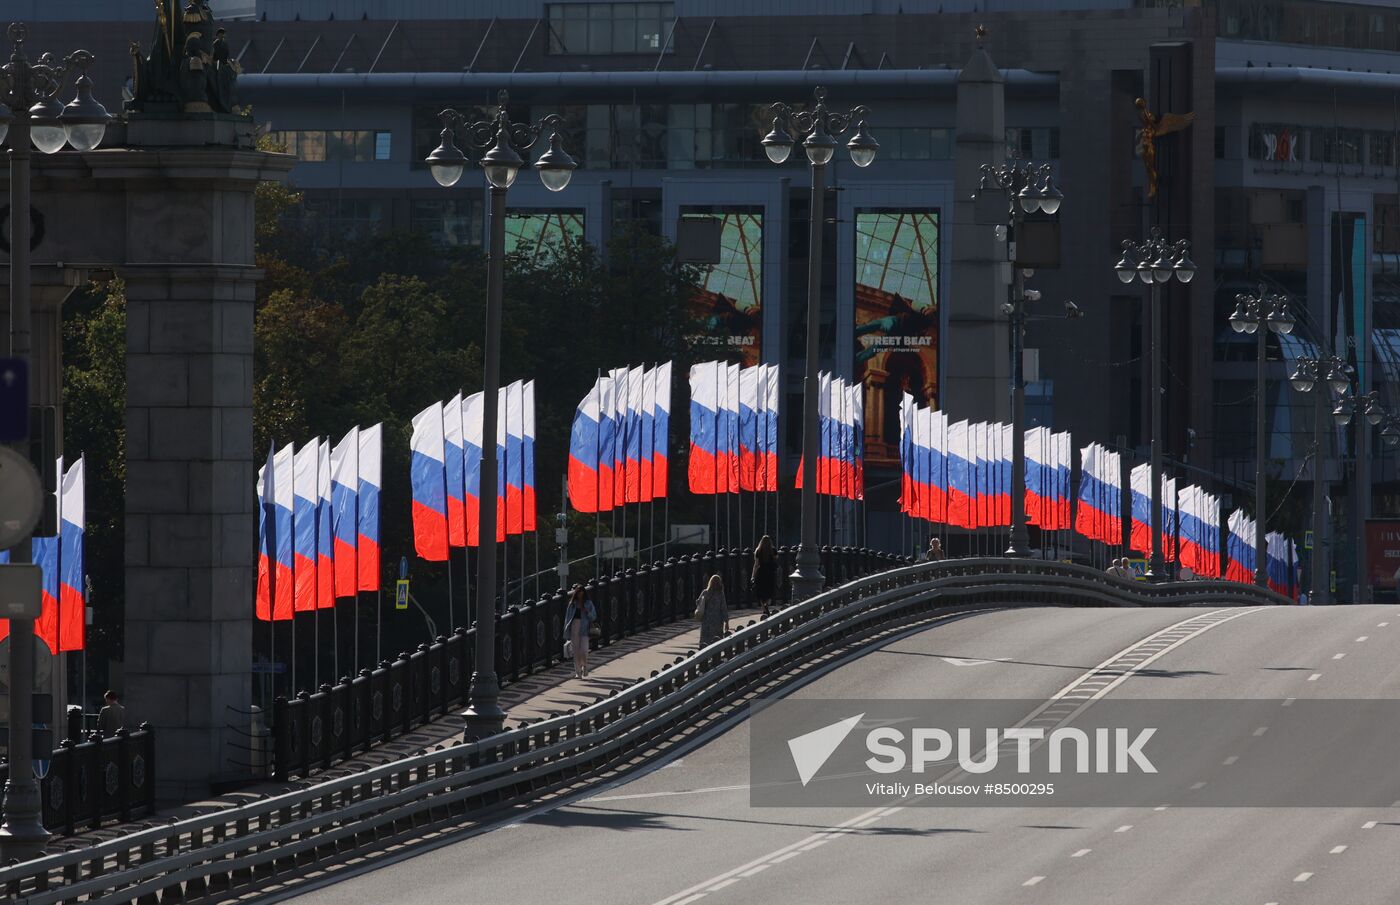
(897, 320)
(538, 233)
(1383, 556)
(729, 306)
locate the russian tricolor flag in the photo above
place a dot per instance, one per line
(1100, 495)
(325, 531)
(371, 467)
(516, 466)
(267, 552)
(345, 474)
(473, 415)
(72, 602)
(428, 475)
(960, 475)
(1140, 486)
(453, 462)
(708, 469)
(585, 454)
(284, 535)
(661, 427)
(1240, 548)
(1276, 565)
(307, 490)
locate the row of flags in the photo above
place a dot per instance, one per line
(618, 445)
(840, 439)
(318, 523)
(445, 470)
(61, 623)
(733, 428)
(960, 473)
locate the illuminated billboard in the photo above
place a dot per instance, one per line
(897, 326)
(729, 305)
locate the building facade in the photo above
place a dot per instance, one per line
(1286, 177)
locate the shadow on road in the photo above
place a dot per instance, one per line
(616, 819)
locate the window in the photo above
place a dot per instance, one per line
(347, 218)
(1219, 142)
(1033, 144)
(1380, 148)
(1332, 145)
(1278, 141)
(599, 28)
(316, 146)
(448, 222)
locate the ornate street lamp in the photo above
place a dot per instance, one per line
(1323, 377)
(1155, 262)
(30, 113)
(819, 130)
(1028, 188)
(1252, 312)
(501, 163)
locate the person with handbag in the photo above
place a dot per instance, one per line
(713, 612)
(764, 580)
(579, 618)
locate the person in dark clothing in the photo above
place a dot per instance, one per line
(764, 579)
(112, 716)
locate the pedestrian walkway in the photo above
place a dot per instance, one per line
(538, 696)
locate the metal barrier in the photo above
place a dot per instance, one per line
(314, 731)
(97, 781)
(244, 848)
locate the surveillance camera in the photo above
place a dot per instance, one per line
(1008, 309)
(1072, 310)
(1032, 295)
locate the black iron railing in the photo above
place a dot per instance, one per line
(100, 780)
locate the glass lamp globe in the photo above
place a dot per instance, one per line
(819, 147)
(47, 132)
(84, 119)
(1050, 196)
(1302, 381)
(862, 147)
(4, 122)
(555, 166)
(1126, 268)
(777, 144)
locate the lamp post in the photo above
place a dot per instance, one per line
(31, 113)
(818, 130)
(1028, 188)
(1322, 376)
(1253, 312)
(1154, 262)
(501, 164)
(1372, 413)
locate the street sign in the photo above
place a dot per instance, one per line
(403, 568)
(1307, 539)
(401, 594)
(20, 591)
(14, 400)
(21, 498)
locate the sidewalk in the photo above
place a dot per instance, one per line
(537, 696)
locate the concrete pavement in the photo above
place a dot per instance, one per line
(685, 833)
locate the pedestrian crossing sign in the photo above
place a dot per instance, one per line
(401, 594)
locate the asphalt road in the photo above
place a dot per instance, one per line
(685, 833)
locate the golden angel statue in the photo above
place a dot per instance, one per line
(1154, 127)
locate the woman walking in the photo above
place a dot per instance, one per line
(764, 579)
(579, 617)
(712, 611)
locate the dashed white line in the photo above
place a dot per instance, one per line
(1369, 825)
(1230, 761)
(1337, 849)
(1338, 656)
(1197, 785)
(1288, 702)
(1260, 731)
(1161, 807)
(1032, 881)
(1304, 877)
(1382, 624)
(1314, 677)
(1124, 828)
(1081, 853)
(1362, 638)
(867, 821)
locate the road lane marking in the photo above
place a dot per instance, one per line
(1032, 881)
(1382, 624)
(1303, 877)
(1362, 638)
(757, 870)
(1230, 761)
(1161, 807)
(668, 794)
(1124, 828)
(1081, 853)
(781, 858)
(1197, 785)
(1260, 731)
(1314, 677)
(1288, 702)
(695, 898)
(1338, 656)
(1337, 850)
(1369, 825)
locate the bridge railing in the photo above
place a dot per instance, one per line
(274, 839)
(316, 730)
(100, 780)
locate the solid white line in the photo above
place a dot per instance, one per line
(1260, 731)
(1314, 677)
(1032, 881)
(1230, 761)
(1369, 825)
(1288, 702)
(1338, 656)
(1337, 850)
(1161, 807)
(693, 898)
(1362, 638)
(1081, 853)
(1303, 877)
(781, 858)
(718, 886)
(760, 869)
(1124, 828)
(867, 822)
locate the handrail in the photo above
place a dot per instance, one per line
(239, 846)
